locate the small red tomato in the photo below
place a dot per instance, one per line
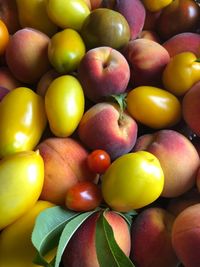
(83, 196)
(98, 161)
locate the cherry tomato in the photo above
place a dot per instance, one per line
(83, 196)
(98, 161)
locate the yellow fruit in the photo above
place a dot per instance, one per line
(64, 103)
(16, 249)
(21, 180)
(33, 13)
(156, 5)
(154, 107)
(65, 51)
(67, 13)
(22, 121)
(132, 181)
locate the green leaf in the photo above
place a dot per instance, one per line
(108, 251)
(128, 216)
(121, 100)
(47, 230)
(68, 232)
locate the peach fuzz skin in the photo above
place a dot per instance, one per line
(102, 128)
(81, 247)
(177, 204)
(147, 60)
(103, 71)
(65, 164)
(191, 108)
(183, 42)
(151, 239)
(186, 236)
(31, 60)
(178, 158)
(7, 80)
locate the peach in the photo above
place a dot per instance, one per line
(45, 81)
(134, 12)
(7, 79)
(191, 108)
(177, 204)
(151, 239)
(103, 71)
(104, 127)
(178, 158)
(65, 164)
(30, 61)
(186, 236)
(183, 42)
(198, 181)
(151, 19)
(151, 35)
(147, 60)
(80, 250)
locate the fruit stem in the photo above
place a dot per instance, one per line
(121, 101)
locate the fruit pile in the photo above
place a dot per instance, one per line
(99, 133)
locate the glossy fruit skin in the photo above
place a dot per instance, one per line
(98, 161)
(15, 239)
(4, 37)
(37, 16)
(64, 104)
(21, 179)
(181, 73)
(22, 121)
(179, 16)
(105, 27)
(153, 107)
(83, 196)
(133, 181)
(156, 5)
(65, 51)
(67, 14)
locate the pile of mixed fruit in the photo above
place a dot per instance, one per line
(99, 133)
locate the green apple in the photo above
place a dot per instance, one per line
(67, 13)
(105, 27)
